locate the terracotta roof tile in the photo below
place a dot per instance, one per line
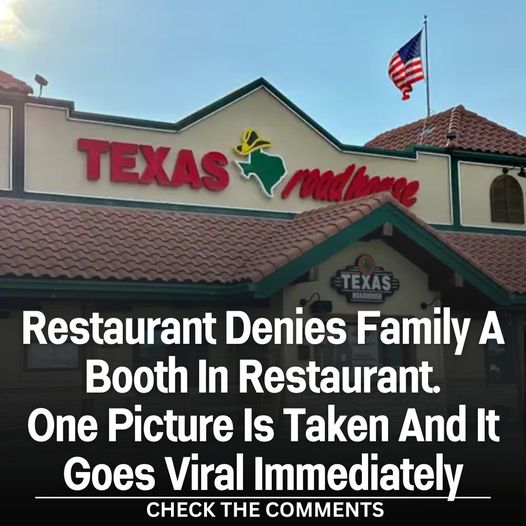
(10, 83)
(467, 131)
(92, 242)
(52, 240)
(503, 258)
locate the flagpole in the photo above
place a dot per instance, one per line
(427, 68)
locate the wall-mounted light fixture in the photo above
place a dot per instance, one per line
(425, 305)
(319, 306)
(521, 172)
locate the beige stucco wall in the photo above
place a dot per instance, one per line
(54, 165)
(475, 181)
(5, 148)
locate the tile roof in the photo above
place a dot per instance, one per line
(468, 131)
(503, 258)
(58, 240)
(10, 83)
(296, 237)
(98, 242)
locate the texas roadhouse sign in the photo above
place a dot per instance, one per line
(365, 282)
(209, 172)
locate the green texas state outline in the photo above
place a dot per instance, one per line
(268, 169)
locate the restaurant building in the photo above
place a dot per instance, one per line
(250, 204)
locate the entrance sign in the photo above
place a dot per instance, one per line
(365, 282)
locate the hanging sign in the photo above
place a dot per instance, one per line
(365, 282)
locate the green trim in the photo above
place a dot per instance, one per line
(408, 153)
(451, 258)
(219, 104)
(118, 290)
(18, 147)
(101, 117)
(455, 192)
(243, 212)
(198, 209)
(479, 230)
(488, 158)
(319, 253)
(458, 156)
(388, 213)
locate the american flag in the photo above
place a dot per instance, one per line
(406, 66)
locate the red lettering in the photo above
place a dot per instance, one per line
(93, 148)
(330, 187)
(298, 176)
(185, 170)
(386, 184)
(122, 159)
(323, 185)
(213, 164)
(398, 188)
(309, 183)
(373, 186)
(407, 197)
(154, 170)
(339, 183)
(357, 184)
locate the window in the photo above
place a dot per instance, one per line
(47, 356)
(507, 201)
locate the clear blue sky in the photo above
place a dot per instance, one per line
(163, 59)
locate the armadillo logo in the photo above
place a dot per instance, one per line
(268, 170)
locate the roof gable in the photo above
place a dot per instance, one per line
(472, 131)
(259, 85)
(349, 222)
(456, 128)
